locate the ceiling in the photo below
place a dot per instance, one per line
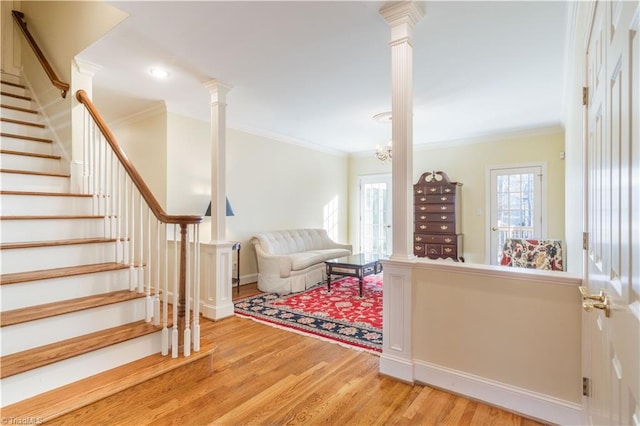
(317, 72)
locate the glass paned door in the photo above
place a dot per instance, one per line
(375, 214)
(516, 206)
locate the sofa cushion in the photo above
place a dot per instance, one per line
(300, 261)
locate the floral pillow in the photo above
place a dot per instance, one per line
(535, 254)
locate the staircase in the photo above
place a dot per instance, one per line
(68, 310)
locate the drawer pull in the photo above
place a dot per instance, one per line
(448, 250)
(423, 217)
(443, 217)
(444, 227)
(433, 251)
(443, 207)
(423, 198)
(418, 248)
(443, 198)
(419, 191)
(423, 208)
(447, 190)
(433, 189)
(448, 240)
(423, 226)
(418, 238)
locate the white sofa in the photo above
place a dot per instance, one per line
(293, 261)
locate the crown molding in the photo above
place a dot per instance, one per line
(289, 140)
(87, 67)
(158, 108)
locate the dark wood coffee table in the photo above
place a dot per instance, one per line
(357, 265)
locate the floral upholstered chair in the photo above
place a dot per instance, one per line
(535, 254)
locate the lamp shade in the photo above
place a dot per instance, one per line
(229, 209)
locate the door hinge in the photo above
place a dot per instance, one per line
(585, 95)
(585, 386)
(585, 241)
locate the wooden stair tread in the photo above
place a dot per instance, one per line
(46, 194)
(8, 83)
(24, 123)
(17, 108)
(30, 154)
(28, 138)
(69, 271)
(32, 313)
(51, 217)
(13, 95)
(44, 355)
(54, 243)
(57, 402)
(35, 173)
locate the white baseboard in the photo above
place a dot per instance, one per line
(248, 279)
(395, 367)
(514, 399)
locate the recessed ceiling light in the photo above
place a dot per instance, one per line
(159, 73)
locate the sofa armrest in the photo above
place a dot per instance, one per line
(272, 264)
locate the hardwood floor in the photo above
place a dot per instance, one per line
(265, 375)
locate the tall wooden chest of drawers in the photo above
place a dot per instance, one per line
(437, 229)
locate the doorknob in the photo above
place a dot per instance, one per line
(595, 301)
(494, 228)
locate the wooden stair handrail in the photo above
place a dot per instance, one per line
(148, 196)
(22, 24)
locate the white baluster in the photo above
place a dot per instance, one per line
(85, 153)
(148, 268)
(165, 297)
(119, 242)
(156, 299)
(174, 336)
(187, 297)
(141, 244)
(132, 240)
(196, 289)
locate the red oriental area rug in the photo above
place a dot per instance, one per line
(340, 316)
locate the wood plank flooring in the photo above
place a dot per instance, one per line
(267, 376)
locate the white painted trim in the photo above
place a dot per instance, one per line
(373, 178)
(477, 139)
(512, 398)
(515, 274)
(156, 109)
(290, 140)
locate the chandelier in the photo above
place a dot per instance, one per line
(383, 153)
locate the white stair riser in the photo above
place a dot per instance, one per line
(22, 145)
(11, 78)
(7, 88)
(22, 386)
(17, 102)
(25, 162)
(20, 337)
(22, 129)
(38, 258)
(50, 229)
(20, 295)
(22, 182)
(20, 115)
(25, 205)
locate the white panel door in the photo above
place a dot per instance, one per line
(516, 206)
(375, 214)
(612, 338)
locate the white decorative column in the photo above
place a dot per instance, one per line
(216, 255)
(218, 92)
(396, 358)
(82, 73)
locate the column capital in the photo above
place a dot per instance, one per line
(87, 68)
(401, 16)
(218, 90)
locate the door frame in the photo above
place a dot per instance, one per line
(488, 189)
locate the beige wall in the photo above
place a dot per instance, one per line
(468, 163)
(275, 185)
(520, 328)
(144, 139)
